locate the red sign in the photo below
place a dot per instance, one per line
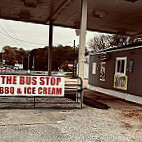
(12, 85)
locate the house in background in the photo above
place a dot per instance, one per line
(117, 71)
(86, 67)
(18, 66)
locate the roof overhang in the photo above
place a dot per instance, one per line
(111, 16)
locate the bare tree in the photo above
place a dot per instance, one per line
(100, 42)
(106, 41)
(122, 40)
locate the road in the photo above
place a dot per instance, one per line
(34, 72)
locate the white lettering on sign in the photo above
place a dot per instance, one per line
(12, 85)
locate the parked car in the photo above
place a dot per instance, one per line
(8, 69)
(5, 69)
(2, 69)
(16, 68)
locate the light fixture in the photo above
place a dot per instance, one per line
(99, 14)
(77, 31)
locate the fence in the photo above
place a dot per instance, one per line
(72, 96)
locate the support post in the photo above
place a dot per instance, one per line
(28, 63)
(82, 40)
(22, 62)
(50, 48)
(1, 60)
(33, 63)
(73, 57)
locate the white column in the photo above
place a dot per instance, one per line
(82, 41)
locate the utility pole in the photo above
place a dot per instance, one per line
(73, 57)
(50, 48)
(33, 63)
(1, 60)
(22, 62)
(29, 63)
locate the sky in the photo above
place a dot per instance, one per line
(30, 36)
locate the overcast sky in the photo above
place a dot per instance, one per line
(30, 36)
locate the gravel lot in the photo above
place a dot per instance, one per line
(86, 125)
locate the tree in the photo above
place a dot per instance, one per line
(106, 41)
(122, 40)
(9, 55)
(100, 42)
(41, 58)
(61, 55)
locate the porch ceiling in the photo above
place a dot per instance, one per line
(112, 16)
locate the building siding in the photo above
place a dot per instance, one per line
(134, 85)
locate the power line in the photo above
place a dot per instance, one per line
(21, 39)
(9, 29)
(63, 43)
(8, 34)
(12, 33)
(31, 42)
(6, 25)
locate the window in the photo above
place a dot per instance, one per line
(94, 66)
(102, 71)
(121, 63)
